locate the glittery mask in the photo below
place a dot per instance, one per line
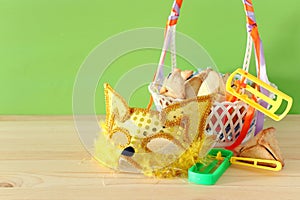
(162, 144)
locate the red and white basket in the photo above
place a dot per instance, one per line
(226, 119)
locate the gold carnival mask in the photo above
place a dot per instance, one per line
(162, 144)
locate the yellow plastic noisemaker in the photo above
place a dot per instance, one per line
(274, 103)
(272, 165)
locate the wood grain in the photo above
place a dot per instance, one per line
(41, 157)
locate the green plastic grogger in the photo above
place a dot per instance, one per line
(209, 174)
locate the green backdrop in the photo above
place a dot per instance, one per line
(43, 43)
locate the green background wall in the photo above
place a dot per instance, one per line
(44, 42)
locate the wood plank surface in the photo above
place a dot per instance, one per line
(42, 158)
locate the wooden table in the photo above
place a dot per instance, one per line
(42, 158)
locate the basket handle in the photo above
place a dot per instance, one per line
(169, 41)
(260, 59)
(253, 37)
(170, 33)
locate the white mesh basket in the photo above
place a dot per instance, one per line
(225, 120)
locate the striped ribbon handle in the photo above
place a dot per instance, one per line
(260, 58)
(170, 33)
(169, 41)
(253, 38)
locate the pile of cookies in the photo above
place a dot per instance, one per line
(187, 84)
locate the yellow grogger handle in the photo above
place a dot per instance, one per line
(275, 104)
(272, 165)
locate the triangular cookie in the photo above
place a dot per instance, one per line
(264, 146)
